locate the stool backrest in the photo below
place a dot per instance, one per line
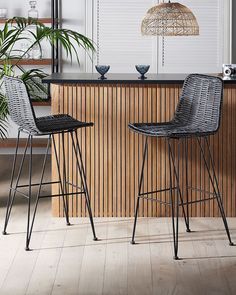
(200, 103)
(19, 104)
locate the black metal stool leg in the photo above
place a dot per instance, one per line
(139, 190)
(12, 191)
(29, 194)
(186, 182)
(176, 174)
(174, 204)
(80, 165)
(38, 193)
(10, 199)
(215, 185)
(65, 198)
(60, 180)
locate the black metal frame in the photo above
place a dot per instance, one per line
(55, 48)
(178, 201)
(55, 24)
(62, 181)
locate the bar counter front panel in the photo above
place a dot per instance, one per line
(112, 153)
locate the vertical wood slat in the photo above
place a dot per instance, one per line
(112, 154)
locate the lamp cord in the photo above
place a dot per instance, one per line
(163, 46)
(98, 32)
(163, 51)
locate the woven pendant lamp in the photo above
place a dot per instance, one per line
(170, 19)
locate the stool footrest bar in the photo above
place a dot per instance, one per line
(198, 201)
(201, 191)
(75, 186)
(154, 200)
(157, 191)
(180, 203)
(61, 195)
(35, 184)
(48, 196)
(19, 192)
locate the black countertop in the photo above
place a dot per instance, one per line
(93, 78)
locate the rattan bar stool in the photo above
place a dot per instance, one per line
(197, 116)
(22, 113)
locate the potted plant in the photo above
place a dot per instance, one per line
(19, 29)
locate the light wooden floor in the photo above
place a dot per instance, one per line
(66, 260)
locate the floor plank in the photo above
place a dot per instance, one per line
(23, 259)
(66, 260)
(163, 267)
(209, 260)
(116, 268)
(139, 261)
(68, 273)
(44, 273)
(187, 270)
(93, 263)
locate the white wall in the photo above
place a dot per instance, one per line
(234, 32)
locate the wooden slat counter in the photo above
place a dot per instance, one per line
(112, 154)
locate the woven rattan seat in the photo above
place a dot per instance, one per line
(22, 112)
(59, 123)
(197, 113)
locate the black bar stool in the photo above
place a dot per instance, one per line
(22, 113)
(197, 116)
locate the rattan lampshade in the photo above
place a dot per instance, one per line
(170, 19)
